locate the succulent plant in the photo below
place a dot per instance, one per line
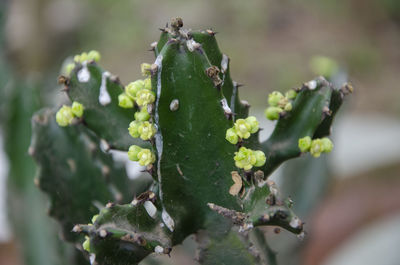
(186, 124)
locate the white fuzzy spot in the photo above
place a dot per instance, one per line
(150, 208)
(103, 233)
(104, 97)
(159, 250)
(84, 74)
(225, 106)
(312, 84)
(245, 227)
(104, 146)
(224, 63)
(295, 222)
(174, 105)
(92, 259)
(192, 45)
(168, 220)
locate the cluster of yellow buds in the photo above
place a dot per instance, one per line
(315, 146)
(242, 129)
(66, 114)
(279, 103)
(138, 91)
(246, 158)
(142, 155)
(80, 58)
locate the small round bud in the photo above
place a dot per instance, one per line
(64, 116)
(272, 113)
(77, 58)
(327, 145)
(142, 115)
(132, 88)
(133, 152)
(69, 68)
(316, 148)
(144, 97)
(77, 109)
(86, 244)
(305, 144)
(231, 136)
(147, 83)
(245, 158)
(134, 129)
(288, 107)
(84, 57)
(242, 128)
(291, 94)
(260, 158)
(146, 157)
(274, 98)
(146, 69)
(146, 130)
(124, 101)
(94, 55)
(94, 218)
(253, 123)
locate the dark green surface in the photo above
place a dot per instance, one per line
(73, 172)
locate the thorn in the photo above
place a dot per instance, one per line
(347, 88)
(115, 79)
(110, 205)
(210, 32)
(77, 229)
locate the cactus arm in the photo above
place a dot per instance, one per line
(265, 250)
(74, 172)
(185, 178)
(109, 121)
(308, 113)
(125, 234)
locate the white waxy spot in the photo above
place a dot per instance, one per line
(150, 209)
(168, 220)
(224, 63)
(174, 105)
(312, 84)
(159, 250)
(295, 222)
(92, 259)
(134, 202)
(103, 233)
(225, 106)
(192, 45)
(104, 146)
(104, 97)
(84, 74)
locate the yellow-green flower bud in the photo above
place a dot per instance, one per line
(260, 158)
(272, 113)
(142, 115)
(305, 144)
(144, 97)
(146, 130)
(146, 69)
(274, 98)
(316, 147)
(84, 57)
(69, 68)
(288, 107)
(124, 101)
(132, 88)
(134, 129)
(77, 109)
(86, 244)
(94, 218)
(64, 116)
(253, 124)
(146, 157)
(133, 152)
(94, 55)
(245, 158)
(291, 94)
(147, 83)
(242, 128)
(327, 145)
(231, 136)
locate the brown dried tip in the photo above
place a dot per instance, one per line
(63, 80)
(177, 22)
(347, 88)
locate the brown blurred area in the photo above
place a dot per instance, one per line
(270, 44)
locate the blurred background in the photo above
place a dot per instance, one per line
(350, 199)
